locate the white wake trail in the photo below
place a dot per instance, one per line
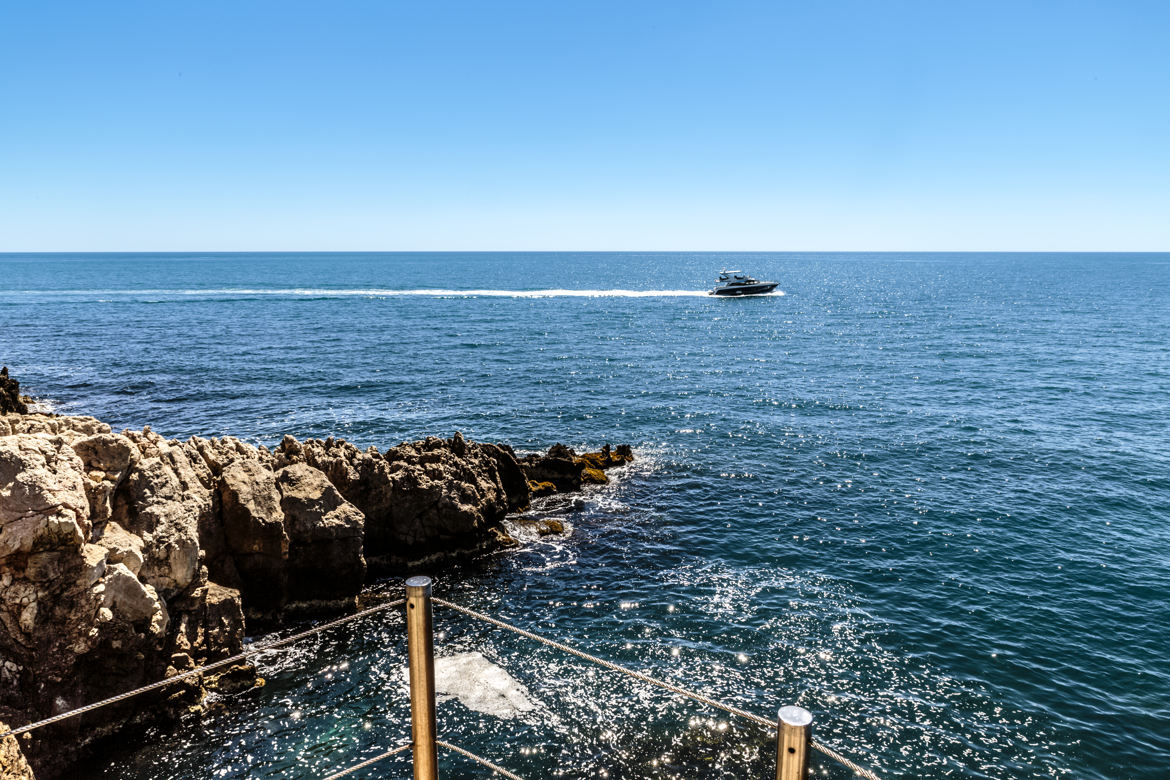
(321, 292)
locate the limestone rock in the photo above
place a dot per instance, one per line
(122, 546)
(43, 505)
(162, 501)
(255, 537)
(431, 500)
(131, 600)
(12, 763)
(127, 557)
(325, 536)
(68, 427)
(215, 455)
(107, 458)
(208, 625)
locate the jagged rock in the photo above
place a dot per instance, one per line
(560, 466)
(162, 501)
(255, 537)
(128, 557)
(444, 493)
(124, 594)
(430, 500)
(12, 763)
(512, 477)
(11, 401)
(73, 628)
(70, 428)
(541, 489)
(208, 624)
(122, 546)
(325, 536)
(215, 455)
(42, 495)
(567, 471)
(107, 458)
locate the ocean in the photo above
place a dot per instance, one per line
(926, 496)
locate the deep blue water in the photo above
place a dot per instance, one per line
(925, 495)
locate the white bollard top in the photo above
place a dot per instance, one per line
(795, 716)
(419, 582)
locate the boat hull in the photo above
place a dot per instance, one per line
(746, 289)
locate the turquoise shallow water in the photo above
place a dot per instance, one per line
(923, 495)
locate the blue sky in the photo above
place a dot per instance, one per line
(353, 125)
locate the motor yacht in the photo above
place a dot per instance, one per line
(739, 283)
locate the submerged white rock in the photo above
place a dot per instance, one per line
(481, 685)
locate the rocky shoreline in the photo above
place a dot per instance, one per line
(128, 557)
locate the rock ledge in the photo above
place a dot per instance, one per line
(127, 557)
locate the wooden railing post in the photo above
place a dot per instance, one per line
(792, 743)
(421, 648)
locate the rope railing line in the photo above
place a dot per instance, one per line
(369, 761)
(478, 759)
(256, 649)
(857, 769)
(765, 722)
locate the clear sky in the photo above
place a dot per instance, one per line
(384, 125)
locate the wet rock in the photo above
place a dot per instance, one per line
(11, 401)
(550, 526)
(545, 526)
(540, 489)
(592, 476)
(607, 457)
(567, 471)
(560, 467)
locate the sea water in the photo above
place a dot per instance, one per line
(926, 496)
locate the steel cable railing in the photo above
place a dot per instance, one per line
(260, 648)
(401, 748)
(370, 761)
(826, 750)
(477, 759)
(254, 650)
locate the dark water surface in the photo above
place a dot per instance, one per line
(925, 496)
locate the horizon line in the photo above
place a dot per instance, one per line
(576, 251)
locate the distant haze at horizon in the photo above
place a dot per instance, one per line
(512, 126)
